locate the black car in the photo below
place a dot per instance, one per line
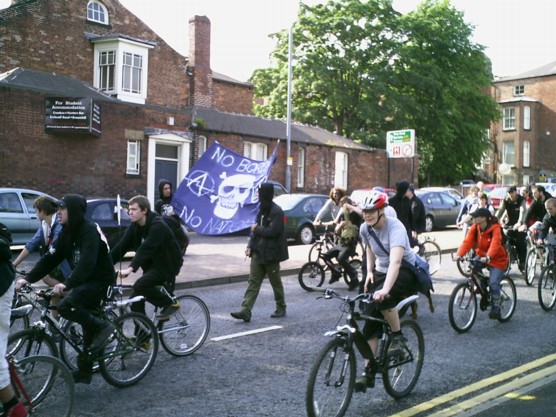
(300, 211)
(103, 212)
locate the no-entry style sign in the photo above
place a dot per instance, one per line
(400, 143)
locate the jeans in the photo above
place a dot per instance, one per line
(494, 282)
(257, 273)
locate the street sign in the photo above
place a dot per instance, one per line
(400, 143)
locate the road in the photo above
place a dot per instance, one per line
(261, 368)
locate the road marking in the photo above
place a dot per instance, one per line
(446, 398)
(248, 333)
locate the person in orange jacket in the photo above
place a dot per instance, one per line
(485, 235)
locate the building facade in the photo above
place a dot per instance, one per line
(93, 101)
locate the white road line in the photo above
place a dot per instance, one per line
(250, 332)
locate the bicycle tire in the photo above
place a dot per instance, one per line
(356, 264)
(432, 254)
(313, 255)
(47, 382)
(508, 247)
(547, 288)
(508, 299)
(401, 373)
(531, 266)
(462, 308)
(187, 329)
(326, 399)
(464, 267)
(30, 342)
(131, 350)
(311, 275)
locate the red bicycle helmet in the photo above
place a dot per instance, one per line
(374, 200)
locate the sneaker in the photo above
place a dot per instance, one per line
(280, 312)
(101, 337)
(494, 313)
(242, 315)
(80, 377)
(18, 410)
(167, 311)
(397, 345)
(336, 275)
(353, 283)
(363, 382)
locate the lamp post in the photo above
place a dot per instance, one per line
(289, 114)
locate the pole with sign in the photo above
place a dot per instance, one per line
(400, 144)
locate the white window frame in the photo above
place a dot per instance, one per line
(121, 48)
(341, 170)
(256, 151)
(526, 179)
(519, 90)
(97, 12)
(527, 118)
(508, 153)
(202, 144)
(509, 118)
(301, 168)
(526, 154)
(133, 165)
(107, 71)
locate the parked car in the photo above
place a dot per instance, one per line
(279, 189)
(452, 191)
(103, 212)
(18, 214)
(441, 208)
(358, 196)
(497, 195)
(300, 211)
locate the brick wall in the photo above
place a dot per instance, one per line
(234, 98)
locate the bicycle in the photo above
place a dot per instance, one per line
(546, 289)
(431, 252)
(332, 377)
(44, 385)
(536, 254)
(126, 358)
(511, 249)
(462, 306)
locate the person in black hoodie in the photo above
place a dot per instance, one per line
(162, 205)
(157, 252)
(83, 245)
(267, 247)
(402, 204)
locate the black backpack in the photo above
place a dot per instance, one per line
(176, 227)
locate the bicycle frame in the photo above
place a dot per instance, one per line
(17, 384)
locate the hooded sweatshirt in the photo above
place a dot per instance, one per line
(82, 244)
(162, 205)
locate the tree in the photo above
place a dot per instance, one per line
(361, 69)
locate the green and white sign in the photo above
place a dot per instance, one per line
(400, 143)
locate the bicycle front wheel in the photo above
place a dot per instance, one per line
(508, 299)
(131, 350)
(331, 381)
(45, 385)
(311, 275)
(531, 266)
(432, 254)
(465, 267)
(187, 329)
(547, 288)
(402, 371)
(29, 342)
(462, 308)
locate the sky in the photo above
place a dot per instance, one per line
(518, 35)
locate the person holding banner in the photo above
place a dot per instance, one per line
(267, 247)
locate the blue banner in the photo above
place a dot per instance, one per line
(219, 193)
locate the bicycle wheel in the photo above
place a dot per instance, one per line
(432, 254)
(356, 264)
(531, 266)
(547, 288)
(331, 381)
(508, 247)
(131, 350)
(44, 384)
(464, 267)
(30, 342)
(402, 372)
(311, 275)
(508, 299)
(462, 308)
(187, 329)
(314, 252)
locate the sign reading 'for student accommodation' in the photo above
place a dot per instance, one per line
(72, 115)
(400, 143)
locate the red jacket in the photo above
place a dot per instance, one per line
(486, 243)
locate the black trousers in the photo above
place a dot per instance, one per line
(147, 287)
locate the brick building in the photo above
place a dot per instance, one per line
(93, 101)
(524, 137)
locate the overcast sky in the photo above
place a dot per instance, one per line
(519, 35)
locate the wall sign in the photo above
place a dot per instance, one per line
(72, 115)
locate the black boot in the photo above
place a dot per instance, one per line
(84, 372)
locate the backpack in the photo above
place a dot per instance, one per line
(180, 235)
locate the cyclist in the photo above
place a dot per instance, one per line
(469, 202)
(549, 220)
(513, 207)
(390, 281)
(83, 245)
(332, 205)
(486, 237)
(536, 211)
(157, 252)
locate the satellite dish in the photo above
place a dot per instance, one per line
(504, 169)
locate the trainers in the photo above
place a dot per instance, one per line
(167, 311)
(80, 377)
(101, 337)
(353, 284)
(18, 410)
(494, 313)
(397, 345)
(363, 382)
(336, 275)
(280, 312)
(242, 315)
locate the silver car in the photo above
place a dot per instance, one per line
(18, 214)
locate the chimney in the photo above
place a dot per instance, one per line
(199, 61)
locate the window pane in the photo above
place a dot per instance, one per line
(301, 167)
(526, 153)
(167, 151)
(133, 153)
(508, 153)
(509, 118)
(527, 118)
(340, 174)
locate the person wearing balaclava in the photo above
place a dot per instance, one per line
(83, 245)
(402, 204)
(267, 247)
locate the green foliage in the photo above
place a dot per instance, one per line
(360, 68)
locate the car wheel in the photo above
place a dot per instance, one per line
(429, 224)
(305, 235)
